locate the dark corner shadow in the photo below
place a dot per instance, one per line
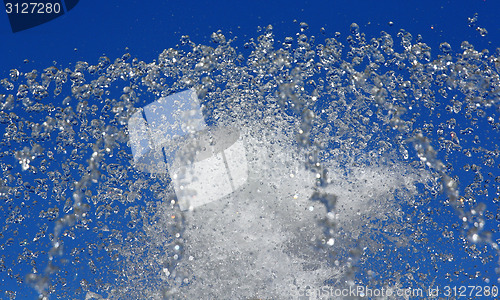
(25, 14)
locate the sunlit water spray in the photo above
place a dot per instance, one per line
(341, 179)
(265, 240)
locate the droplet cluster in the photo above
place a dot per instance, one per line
(381, 148)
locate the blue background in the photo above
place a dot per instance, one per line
(146, 28)
(95, 27)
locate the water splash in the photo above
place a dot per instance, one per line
(349, 181)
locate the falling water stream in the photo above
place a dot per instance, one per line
(359, 161)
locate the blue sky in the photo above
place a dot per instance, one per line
(95, 28)
(108, 27)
